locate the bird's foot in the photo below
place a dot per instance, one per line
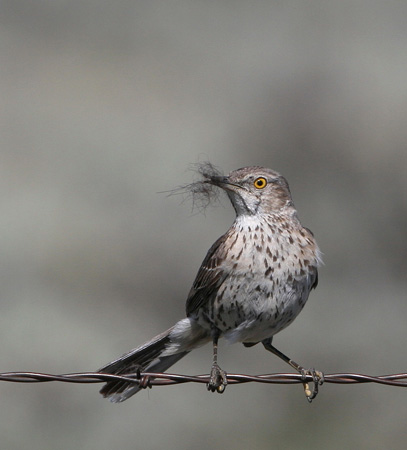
(317, 380)
(218, 380)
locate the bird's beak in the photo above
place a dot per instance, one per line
(224, 183)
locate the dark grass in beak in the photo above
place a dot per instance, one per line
(204, 191)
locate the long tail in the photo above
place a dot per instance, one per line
(156, 355)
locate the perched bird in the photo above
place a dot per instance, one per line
(253, 282)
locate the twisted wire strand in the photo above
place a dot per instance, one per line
(146, 379)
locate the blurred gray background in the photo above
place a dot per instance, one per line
(106, 104)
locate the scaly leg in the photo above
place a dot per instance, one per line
(317, 376)
(218, 379)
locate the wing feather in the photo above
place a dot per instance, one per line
(210, 277)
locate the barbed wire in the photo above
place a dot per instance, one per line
(147, 379)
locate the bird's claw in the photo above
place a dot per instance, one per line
(218, 380)
(317, 380)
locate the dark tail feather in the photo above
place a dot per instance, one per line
(145, 358)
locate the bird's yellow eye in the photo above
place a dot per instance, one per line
(260, 183)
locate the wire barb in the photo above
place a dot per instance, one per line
(147, 379)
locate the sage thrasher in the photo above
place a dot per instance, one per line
(253, 282)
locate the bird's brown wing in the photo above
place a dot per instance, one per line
(315, 281)
(209, 278)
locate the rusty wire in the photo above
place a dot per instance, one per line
(146, 379)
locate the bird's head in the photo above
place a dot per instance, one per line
(255, 190)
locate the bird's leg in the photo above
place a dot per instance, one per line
(317, 376)
(218, 379)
